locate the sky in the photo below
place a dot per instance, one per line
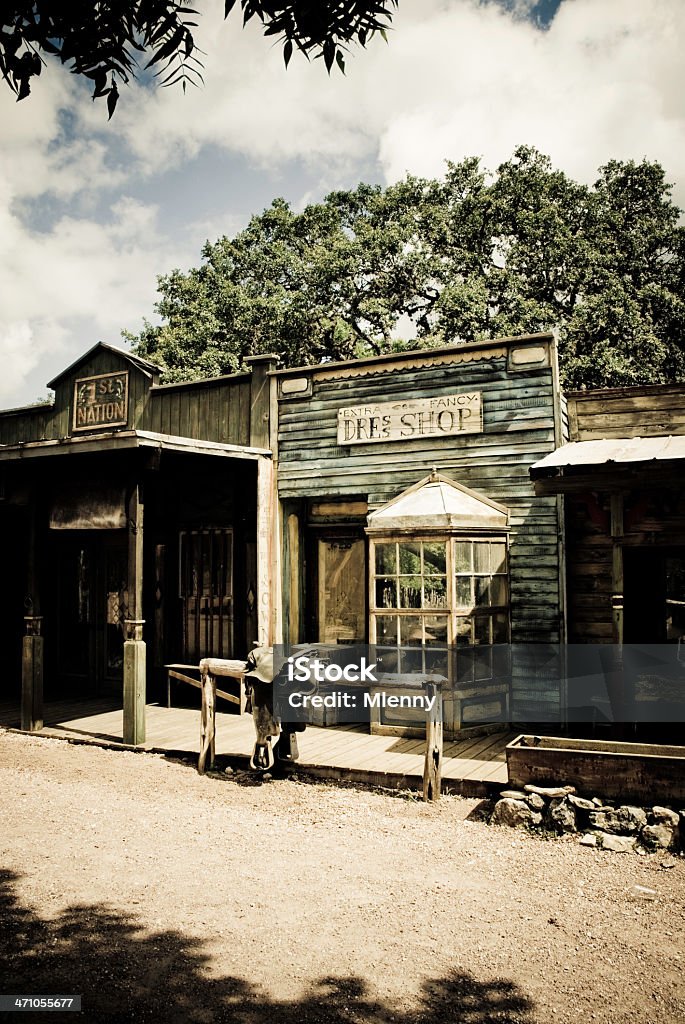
(91, 211)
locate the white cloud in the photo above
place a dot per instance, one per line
(458, 78)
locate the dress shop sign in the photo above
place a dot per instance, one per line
(101, 401)
(407, 420)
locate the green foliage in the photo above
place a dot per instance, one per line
(467, 257)
(110, 42)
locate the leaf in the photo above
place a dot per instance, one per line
(288, 51)
(112, 99)
(340, 61)
(169, 47)
(228, 7)
(328, 54)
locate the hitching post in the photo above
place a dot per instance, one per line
(432, 771)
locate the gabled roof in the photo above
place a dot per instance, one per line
(438, 503)
(149, 369)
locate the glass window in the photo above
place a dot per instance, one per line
(439, 592)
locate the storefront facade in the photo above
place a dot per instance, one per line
(135, 524)
(408, 513)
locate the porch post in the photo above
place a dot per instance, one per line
(32, 643)
(134, 645)
(617, 692)
(265, 583)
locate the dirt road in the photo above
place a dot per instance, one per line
(161, 895)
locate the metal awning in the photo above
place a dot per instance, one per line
(607, 451)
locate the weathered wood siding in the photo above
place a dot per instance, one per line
(212, 410)
(588, 568)
(521, 421)
(626, 412)
(51, 422)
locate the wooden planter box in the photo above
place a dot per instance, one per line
(646, 773)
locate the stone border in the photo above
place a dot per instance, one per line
(621, 828)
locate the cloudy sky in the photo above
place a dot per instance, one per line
(91, 211)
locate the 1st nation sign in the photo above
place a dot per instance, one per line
(407, 420)
(101, 401)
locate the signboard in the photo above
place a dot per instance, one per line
(411, 419)
(101, 401)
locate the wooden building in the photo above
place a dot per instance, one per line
(621, 475)
(135, 527)
(409, 514)
(386, 500)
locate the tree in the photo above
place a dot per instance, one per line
(110, 41)
(471, 256)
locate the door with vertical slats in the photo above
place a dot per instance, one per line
(206, 594)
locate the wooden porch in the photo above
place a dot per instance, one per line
(471, 767)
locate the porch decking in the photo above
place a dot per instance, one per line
(471, 766)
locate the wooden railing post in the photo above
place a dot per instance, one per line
(432, 771)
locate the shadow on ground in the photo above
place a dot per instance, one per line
(127, 974)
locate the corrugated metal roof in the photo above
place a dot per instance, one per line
(619, 450)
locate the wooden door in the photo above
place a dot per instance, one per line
(206, 594)
(342, 590)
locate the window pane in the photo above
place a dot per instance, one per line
(435, 629)
(386, 629)
(434, 558)
(410, 558)
(481, 629)
(411, 630)
(498, 557)
(410, 591)
(481, 556)
(463, 554)
(435, 592)
(500, 629)
(386, 593)
(464, 627)
(482, 665)
(386, 561)
(482, 591)
(464, 592)
(498, 590)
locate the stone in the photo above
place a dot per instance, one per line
(535, 801)
(562, 815)
(228, 771)
(618, 844)
(512, 794)
(588, 839)
(551, 792)
(664, 816)
(658, 837)
(580, 803)
(597, 802)
(622, 821)
(514, 813)
(643, 893)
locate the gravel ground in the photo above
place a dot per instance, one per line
(162, 895)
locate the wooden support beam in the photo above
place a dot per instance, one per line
(32, 643)
(432, 770)
(265, 486)
(208, 721)
(134, 645)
